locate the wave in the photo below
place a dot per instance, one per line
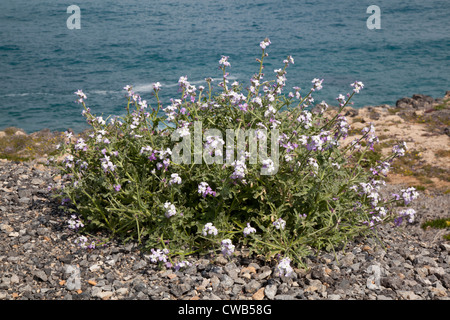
(26, 94)
(148, 87)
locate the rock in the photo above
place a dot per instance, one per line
(94, 268)
(285, 297)
(6, 228)
(408, 295)
(227, 281)
(266, 272)
(259, 295)
(122, 291)
(232, 270)
(105, 295)
(37, 181)
(40, 275)
(252, 286)
(270, 291)
(392, 282)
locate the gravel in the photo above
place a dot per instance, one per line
(39, 260)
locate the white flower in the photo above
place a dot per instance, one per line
(317, 84)
(80, 95)
(156, 86)
(209, 229)
(239, 169)
(224, 61)
(175, 179)
(284, 267)
(170, 209)
(227, 247)
(409, 213)
(279, 224)
(357, 86)
(268, 164)
(265, 43)
(248, 230)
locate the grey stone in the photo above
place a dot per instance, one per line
(227, 281)
(270, 291)
(40, 275)
(285, 297)
(252, 286)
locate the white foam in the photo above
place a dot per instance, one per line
(148, 87)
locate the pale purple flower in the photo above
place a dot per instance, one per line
(224, 61)
(279, 224)
(107, 165)
(157, 86)
(117, 187)
(409, 195)
(74, 223)
(289, 60)
(175, 179)
(204, 189)
(239, 169)
(269, 165)
(81, 96)
(170, 209)
(181, 264)
(159, 255)
(81, 145)
(408, 214)
(265, 43)
(248, 230)
(284, 268)
(399, 149)
(317, 84)
(341, 99)
(209, 229)
(227, 247)
(357, 86)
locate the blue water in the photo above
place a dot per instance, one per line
(42, 62)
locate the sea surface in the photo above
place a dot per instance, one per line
(42, 62)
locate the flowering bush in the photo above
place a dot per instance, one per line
(134, 176)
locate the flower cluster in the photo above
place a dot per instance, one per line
(279, 224)
(159, 255)
(170, 209)
(209, 229)
(407, 195)
(408, 214)
(74, 223)
(204, 189)
(84, 243)
(227, 247)
(175, 179)
(284, 267)
(248, 229)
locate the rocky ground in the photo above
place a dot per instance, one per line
(40, 261)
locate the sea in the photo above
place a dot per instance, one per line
(43, 60)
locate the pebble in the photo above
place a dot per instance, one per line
(39, 260)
